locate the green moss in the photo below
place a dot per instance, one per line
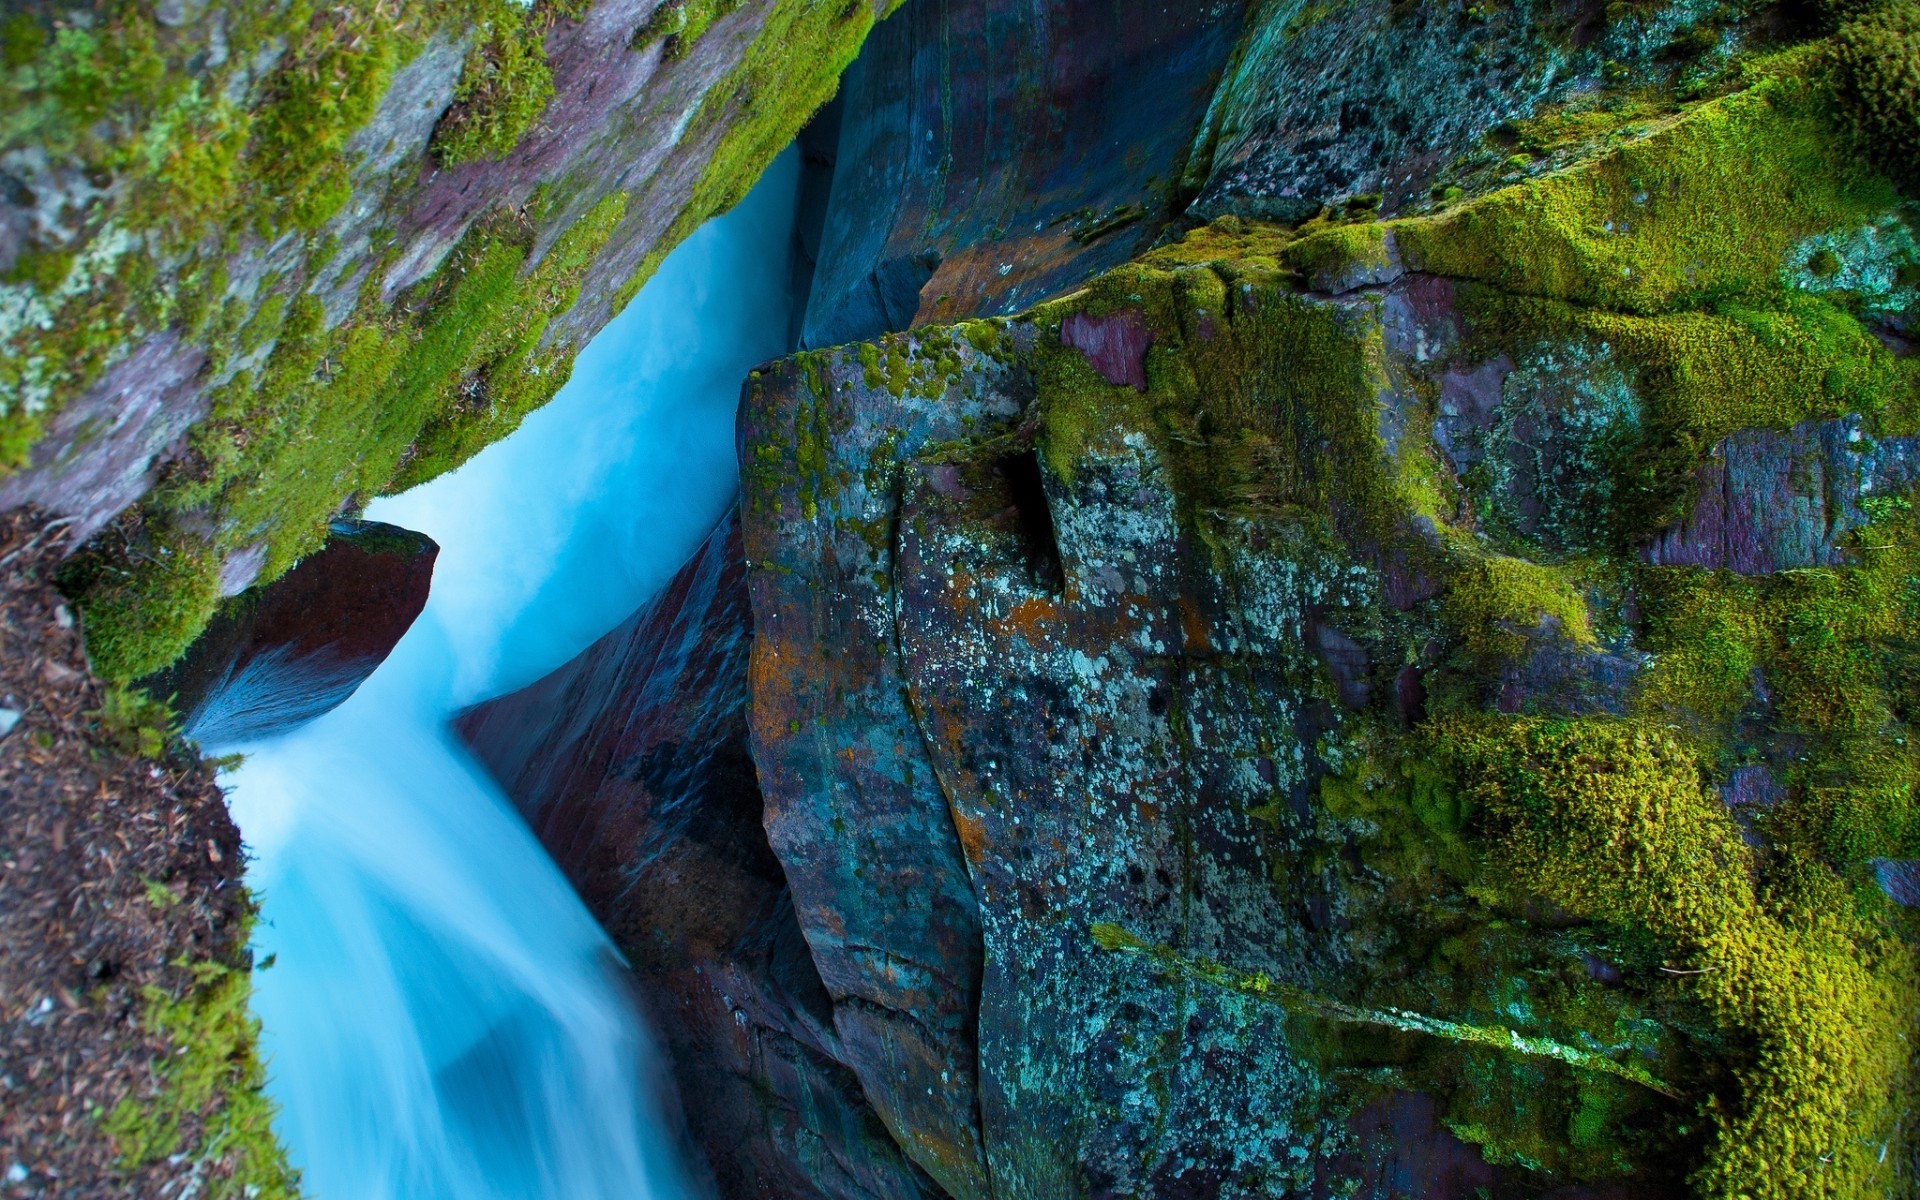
(503, 90)
(336, 69)
(1707, 632)
(144, 594)
(42, 269)
(1610, 821)
(1879, 66)
(680, 23)
(1702, 374)
(137, 724)
(1497, 605)
(206, 1101)
(507, 373)
(1339, 257)
(1705, 206)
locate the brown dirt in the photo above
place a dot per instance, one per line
(85, 827)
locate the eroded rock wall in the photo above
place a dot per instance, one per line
(631, 764)
(1305, 662)
(264, 261)
(992, 155)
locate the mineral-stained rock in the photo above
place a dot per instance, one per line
(1778, 500)
(994, 154)
(1327, 102)
(1148, 638)
(303, 291)
(631, 763)
(280, 654)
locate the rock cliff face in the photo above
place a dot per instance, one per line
(263, 258)
(632, 765)
(280, 654)
(1409, 701)
(1284, 690)
(994, 154)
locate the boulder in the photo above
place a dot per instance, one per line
(280, 654)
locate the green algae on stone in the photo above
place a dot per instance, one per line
(1706, 205)
(1498, 603)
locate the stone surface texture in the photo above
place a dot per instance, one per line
(994, 154)
(631, 764)
(283, 653)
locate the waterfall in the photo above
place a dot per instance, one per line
(442, 1017)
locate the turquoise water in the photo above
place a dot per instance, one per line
(442, 1016)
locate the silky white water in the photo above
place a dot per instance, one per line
(442, 1018)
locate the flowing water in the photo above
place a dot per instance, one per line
(442, 1017)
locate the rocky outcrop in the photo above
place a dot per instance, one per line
(288, 257)
(994, 154)
(280, 654)
(1275, 721)
(1178, 708)
(1783, 500)
(1387, 103)
(631, 764)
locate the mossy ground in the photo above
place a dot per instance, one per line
(132, 1057)
(211, 1084)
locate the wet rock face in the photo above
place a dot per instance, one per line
(1781, 500)
(281, 654)
(1332, 101)
(992, 154)
(615, 124)
(997, 703)
(1133, 636)
(631, 764)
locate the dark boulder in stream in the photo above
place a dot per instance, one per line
(280, 654)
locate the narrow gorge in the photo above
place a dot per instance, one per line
(959, 600)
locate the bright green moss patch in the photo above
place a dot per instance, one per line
(335, 71)
(1705, 206)
(377, 403)
(1879, 66)
(503, 90)
(680, 23)
(205, 1101)
(1611, 821)
(1341, 257)
(1707, 634)
(145, 592)
(1697, 376)
(506, 372)
(1498, 604)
